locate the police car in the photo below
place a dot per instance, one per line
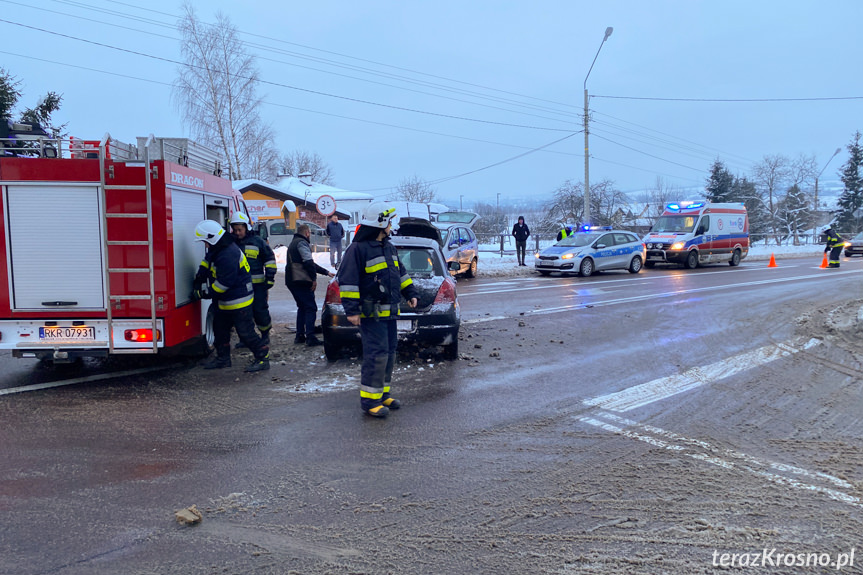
(593, 249)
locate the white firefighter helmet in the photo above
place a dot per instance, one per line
(209, 231)
(241, 218)
(378, 215)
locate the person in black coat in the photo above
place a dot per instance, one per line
(301, 278)
(521, 232)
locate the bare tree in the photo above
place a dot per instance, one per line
(657, 197)
(216, 90)
(415, 189)
(303, 162)
(770, 174)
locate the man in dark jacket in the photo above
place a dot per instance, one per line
(262, 266)
(372, 282)
(336, 233)
(226, 273)
(300, 277)
(835, 243)
(521, 232)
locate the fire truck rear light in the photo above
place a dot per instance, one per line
(140, 335)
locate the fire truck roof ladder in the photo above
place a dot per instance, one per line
(107, 220)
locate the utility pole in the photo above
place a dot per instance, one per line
(608, 32)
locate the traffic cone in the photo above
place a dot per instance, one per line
(824, 261)
(772, 263)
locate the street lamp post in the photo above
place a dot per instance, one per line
(498, 201)
(460, 205)
(608, 32)
(819, 175)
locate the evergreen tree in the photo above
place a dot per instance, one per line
(719, 184)
(848, 217)
(9, 94)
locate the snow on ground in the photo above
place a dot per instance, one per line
(493, 264)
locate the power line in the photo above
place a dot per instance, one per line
(280, 85)
(318, 60)
(449, 178)
(729, 99)
(281, 41)
(675, 137)
(650, 155)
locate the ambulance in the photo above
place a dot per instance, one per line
(697, 233)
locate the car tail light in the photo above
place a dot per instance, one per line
(141, 335)
(333, 294)
(446, 292)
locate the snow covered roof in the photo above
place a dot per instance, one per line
(305, 188)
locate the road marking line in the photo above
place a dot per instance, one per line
(664, 387)
(85, 379)
(713, 459)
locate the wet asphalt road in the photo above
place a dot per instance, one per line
(497, 463)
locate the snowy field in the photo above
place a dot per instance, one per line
(493, 264)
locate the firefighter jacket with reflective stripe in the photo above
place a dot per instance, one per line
(372, 281)
(227, 270)
(833, 239)
(259, 254)
(564, 233)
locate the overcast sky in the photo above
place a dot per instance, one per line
(471, 94)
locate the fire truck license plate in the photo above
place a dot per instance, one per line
(76, 333)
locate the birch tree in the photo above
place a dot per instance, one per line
(303, 162)
(415, 189)
(770, 174)
(216, 91)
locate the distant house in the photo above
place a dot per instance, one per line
(270, 201)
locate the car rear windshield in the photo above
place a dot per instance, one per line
(420, 262)
(456, 217)
(674, 224)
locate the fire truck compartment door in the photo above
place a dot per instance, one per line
(55, 244)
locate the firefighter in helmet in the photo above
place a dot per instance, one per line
(262, 266)
(225, 271)
(372, 282)
(835, 243)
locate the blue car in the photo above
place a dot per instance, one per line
(593, 250)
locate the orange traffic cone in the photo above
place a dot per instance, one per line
(772, 263)
(824, 261)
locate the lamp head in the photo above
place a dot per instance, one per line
(608, 32)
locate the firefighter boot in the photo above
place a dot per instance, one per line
(380, 411)
(222, 359)
(260, 363)
(392, 402)
(265, 337)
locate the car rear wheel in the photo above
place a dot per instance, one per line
(586, 268)
(691, 260)
(331, 350)
(471, 271)
(635, 265)
(735, 259)
(451, 351)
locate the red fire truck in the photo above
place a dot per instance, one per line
(99, 248)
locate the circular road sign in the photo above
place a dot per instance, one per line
(326, 205)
